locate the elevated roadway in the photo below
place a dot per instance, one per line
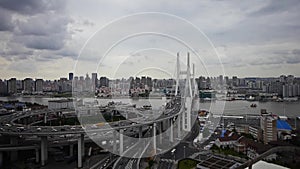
(267, 153)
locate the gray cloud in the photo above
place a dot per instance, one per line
(278, 57)
(33, 25)
(44, 25)
(14, 51)
(6, 23)
(67, 52)
(272, 22)
(43, 31)
(30, 7)
(289, 56)
(294, 57)
(23, 66)
(46, 58)
(53, 42)
(275, 6)
(254, 33)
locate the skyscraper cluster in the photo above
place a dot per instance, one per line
(283, 86)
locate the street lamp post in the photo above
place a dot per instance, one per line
(173, 153)
(183, 151)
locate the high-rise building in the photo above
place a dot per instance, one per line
(282, 78)
(88, 83)
(259, 84)
(268, 125)
(104, 82)
(27, 85)
(276, 87)
(38, 85)
(20, 86)
(3, 88)
(71, 76)
(94, 81)
(202, 83)
(290, 90)
(208, 83)
(290, 79)
(226, 80)
(64, 85)
(81, 83)
(235, 81)
(12, 86)
(241, 82)
(75, 83)
(143, 79)
(251, 84)
(220, 80)
(285, 91)
(137, 81)
(149, 82)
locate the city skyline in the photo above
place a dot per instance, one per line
(254, 39)
(284, 87)
(67, 76)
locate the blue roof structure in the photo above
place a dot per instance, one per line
(223, 133)
(20, 104)
(283, 125)
(8, 106)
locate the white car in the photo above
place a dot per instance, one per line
(20, 128)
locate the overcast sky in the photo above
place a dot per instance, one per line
(42, 38)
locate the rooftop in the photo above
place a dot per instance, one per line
(215, 162)
(283, 125)
(257, 146)
(228, 136)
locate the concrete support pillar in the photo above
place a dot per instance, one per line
(167, 126)
(183, 115)
(154, 138)
(140, 132)
(114, 141)
(80, 148)
(1, 159)
(44, 150)
(160, 132)
(171, 131)
(187, 114)
(13, 154)
(179, 126)
(45, 118)
(121, 141)
(71, 152)
(37, 155)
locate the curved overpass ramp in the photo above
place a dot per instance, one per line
(267, 153)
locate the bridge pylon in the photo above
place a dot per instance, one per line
(188, 92)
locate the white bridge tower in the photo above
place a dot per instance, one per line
(188, 92)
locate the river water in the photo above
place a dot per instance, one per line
(238, 107)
